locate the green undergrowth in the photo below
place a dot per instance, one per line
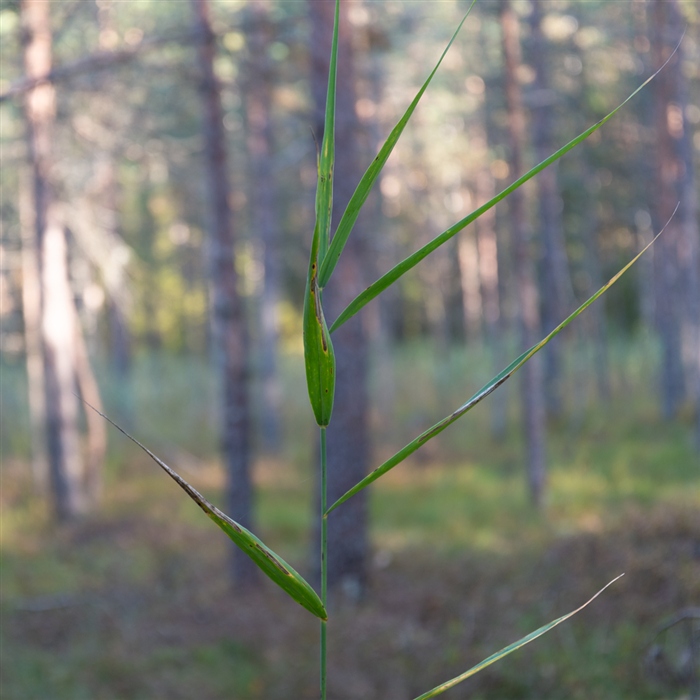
(125, 607)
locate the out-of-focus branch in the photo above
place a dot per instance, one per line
(100, 60)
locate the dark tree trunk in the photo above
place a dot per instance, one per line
(230, 333)
(59, 323)
(31, 314)
(676, 255)
(557, 292)
(531, 386)
(263, 214)
(348, 433)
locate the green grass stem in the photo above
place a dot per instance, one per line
(324, 559)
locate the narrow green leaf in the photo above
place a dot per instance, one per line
(319, 356)
(412, 260)
(484, 391)
(326, 161)
(347, 221)
(509, 649)
(271, 564)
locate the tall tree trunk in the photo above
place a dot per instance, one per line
(677, 256)
(489, 274)
(96, 426)
(557, 296)
(348, 433)
(531, 386)
(230, 332)
(31, 313)
(59, 325)
(472, 303)
(263, 213)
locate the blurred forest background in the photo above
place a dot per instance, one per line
(158, 177)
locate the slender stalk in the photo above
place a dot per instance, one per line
(324, 557)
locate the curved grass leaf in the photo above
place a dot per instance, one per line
(270, 563)
(347, 221)
(326, 160)
(488, 388)
(412, 260)
(509, 649)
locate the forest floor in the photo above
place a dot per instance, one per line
(134, 603)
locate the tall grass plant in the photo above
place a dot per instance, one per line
(326, 250)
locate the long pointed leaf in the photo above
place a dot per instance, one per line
(364, 187)
(326, 161)
(509, 649)
(412, 260)
(270, 563)
(319, 357)
(488, 388)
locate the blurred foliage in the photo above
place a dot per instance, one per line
(141, 117)
(134, 603)
(133, 609)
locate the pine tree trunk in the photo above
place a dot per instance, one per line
(348, 433)
(531, 386)
(557, 291)
(59, 325)
(31, 314)
(487, 242)
(677, 253)
(263, 213)
(230, 332)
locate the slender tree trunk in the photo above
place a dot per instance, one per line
(531, 387)
(598, 333)
(487, 242)
(230, 332)
(557, 296)
(378, 315)
(263, 213)
(468, 258)
(58, 317)
(60, 330)
(96, 426)
(677, 254)
(31, 312)
(348, 433)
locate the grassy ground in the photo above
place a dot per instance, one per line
(134, 602)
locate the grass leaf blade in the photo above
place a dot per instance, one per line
(270, 563)
(509, 649)
(365, 185)
(326, 160)
(487, 389)
(412, 260)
